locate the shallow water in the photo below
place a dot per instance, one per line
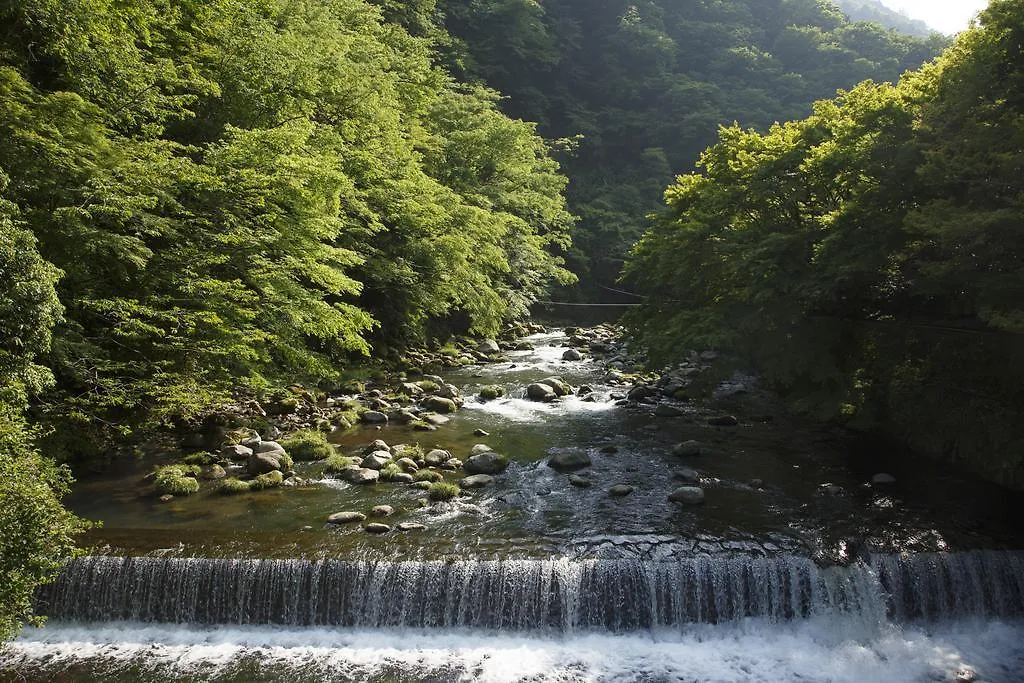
(533, 510)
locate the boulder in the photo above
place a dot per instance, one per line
(261, 463)
(236, 452)
(488, 462)
(572, 354)
(882, 479)
(686, 474)
(377, 528)
(376, 460)
(346, 517)
(377, 445)
(436, 457)
(269, 447)
(687, 495)
(558, 385)
(639, 393)
(361, 475)
(407, 464)
(402, 478)
(540, 392)
(382, 511)
(410, 526)
(489, 346)
(479, 448)
(475, 481)
(620, 490)
(439, 404)
(451, 464)
(567, 461)
(374, 417)
(215, 472)
(252, 442)
(687, 449)
(579, 482)
(723, 421)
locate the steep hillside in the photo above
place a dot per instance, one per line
(873, 10)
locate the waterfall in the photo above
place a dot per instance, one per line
(533, 595)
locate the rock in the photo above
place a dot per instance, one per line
(269, 447)
(236, 452)
(480, 432)
(687, 495)
(360, 475)
(439, 404)
(410, 526)
(166, 498)
(377, 445)
(620, 490)
(566, 461)
(723, 421)
(756, 483)
(572, 354)
(436, 457)
(687, 449)
(475, 481)
(407, 464)
(449, 391)
(215, 472)
(882, 479)
(374, 417)
(489, 346)
(421, 426)
(451, 464)
(540, 392)
(479, 448)
(610, 450)
(558, 385)
(377, 528)
(261, 463)
(665, 410)
(252, 442)
(639, 393)
(488, 462)
(346, 517)
(690, 476)
(382, 511)
(402, 478)
(579, 482)
(376, 460)
(585, 390)
(435, 419)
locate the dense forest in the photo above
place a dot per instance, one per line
(646, 85)
(205, 199)
(868, 260)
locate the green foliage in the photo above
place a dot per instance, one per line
(177, 480)
(308, 444)
(269, 480)
(337, 462)
(389, 471)
(867, 253)
(491, 392)
(647, 83)
(198, 459)
(427, 475)
(442, 491)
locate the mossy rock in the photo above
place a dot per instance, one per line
(308, 445)
(286, 406)
(428, 385)
(427, 475)
(267, 481)
(200, 459)
(233, 485)
(442, 491)
(390, 471)
(337, 462)
(177, 480)
(491, 392)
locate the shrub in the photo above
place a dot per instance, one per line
(177, 480)
(337, 462)
(427, 475)
(389, 471)
(308, 444)
(442, 491)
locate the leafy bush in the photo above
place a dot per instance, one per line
(442, 491)
(308, 444)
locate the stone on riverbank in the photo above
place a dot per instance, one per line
(579, 482)
(436, 457)
(382, 511)
(687, 495)
(567, 461)
(377, 528)
(360, 475)
(687, 449)
(346, 517)
(620, 490)
(540, 392)
(487, 462)
(475, 481)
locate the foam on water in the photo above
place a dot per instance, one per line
(816, 650)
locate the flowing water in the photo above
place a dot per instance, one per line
(534, 579)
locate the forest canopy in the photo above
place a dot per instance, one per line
(868, 259)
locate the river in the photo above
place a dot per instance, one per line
(534, 578)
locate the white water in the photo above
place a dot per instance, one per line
(814, 650)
